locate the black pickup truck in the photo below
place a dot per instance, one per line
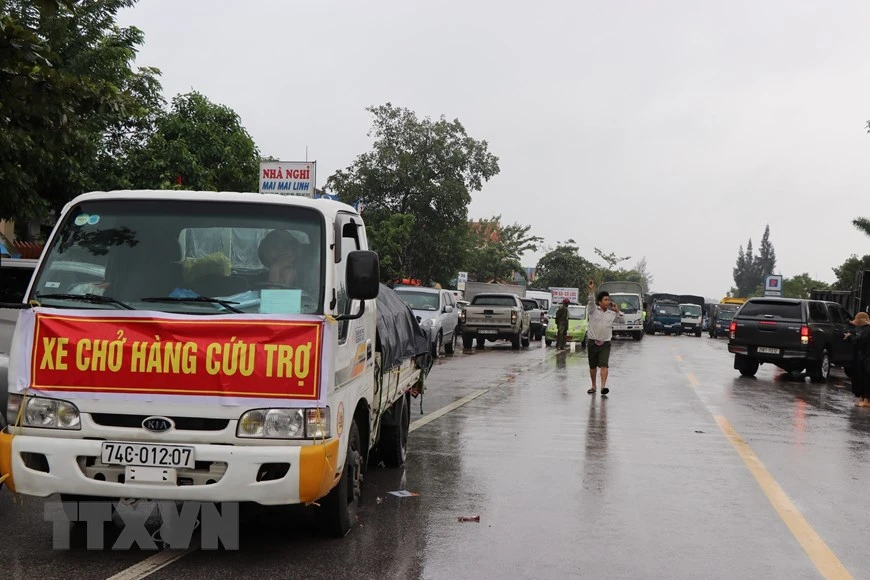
(793, 334)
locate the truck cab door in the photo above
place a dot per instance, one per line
(355, 342)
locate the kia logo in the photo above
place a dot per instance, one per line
(157, 424)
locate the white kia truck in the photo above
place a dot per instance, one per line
(213, 347)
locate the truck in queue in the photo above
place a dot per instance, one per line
(496, 316)
(720, 317)
(664, 314)
(629, 296)
(237, 347)
(691, 314)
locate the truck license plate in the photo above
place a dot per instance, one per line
(488, 331)
(767, 350)
(113, 453)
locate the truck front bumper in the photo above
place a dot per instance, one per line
(42, 466)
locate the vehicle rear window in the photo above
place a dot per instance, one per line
(785, 310)
(530, 304)
(493, 301)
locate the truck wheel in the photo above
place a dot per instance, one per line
(450, 347)
(637, 335)
(337, 512)
(394, 445)
(515, 342)
(848, 370)
(480, 342)
(747, 366)
(548, 342)
(467, 341)
(820, 371)
(698, 333)
(525, 341)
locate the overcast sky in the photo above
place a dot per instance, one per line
(671, 130)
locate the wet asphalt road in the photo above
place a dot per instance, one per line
(684, 471)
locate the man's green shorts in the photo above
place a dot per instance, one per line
(599, 356)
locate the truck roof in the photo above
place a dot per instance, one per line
(327, 206)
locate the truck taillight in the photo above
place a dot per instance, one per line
(806, 337)
(514, 317)
(732, 328)
(543, 316)
(462, 315)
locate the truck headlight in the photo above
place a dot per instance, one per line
(284, 424)
(43, 412)
(429, 322)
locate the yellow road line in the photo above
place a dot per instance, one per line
(444, 410)
(151, 564)
(815, 547)
(693, 379)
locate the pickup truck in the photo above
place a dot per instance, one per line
(792, 334)
(495, 316)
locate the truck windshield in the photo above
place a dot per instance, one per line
(692, 310)
(627, 303)
(256, 258)
(420, 300)
(725, 314)
(667, 309)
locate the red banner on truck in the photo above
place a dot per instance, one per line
(276, 359)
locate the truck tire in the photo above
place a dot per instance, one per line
(848, 370)
(698, 333)
(337, 511)
(394, 438)
(747, 366)
(481, 342)
(525, 341)
(467, 341)
(548, 342)
(515, 342)
(821, 370)
(637, 335)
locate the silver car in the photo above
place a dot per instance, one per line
(436, 310)
(15, 275)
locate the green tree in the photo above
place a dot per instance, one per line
(421, 168)
(67, 90)
(766, 261)
(863, 224)
(646, 278)
(564, 267)
(495, 250)
(198, 145)
(801, 285)
(747, 272)
(847, 272)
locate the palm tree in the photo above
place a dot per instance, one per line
(862, 224)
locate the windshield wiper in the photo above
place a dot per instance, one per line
(225, 303)
(92, 298)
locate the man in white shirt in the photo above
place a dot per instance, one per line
(602, 315)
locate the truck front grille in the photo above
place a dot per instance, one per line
(181, 423)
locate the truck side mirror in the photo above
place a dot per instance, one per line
(448, 309)
(363, 272)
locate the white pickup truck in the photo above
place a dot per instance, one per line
(237, 347)
(495, 316)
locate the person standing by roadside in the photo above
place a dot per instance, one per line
(602, 314)
(860, 336)
(562, 324)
